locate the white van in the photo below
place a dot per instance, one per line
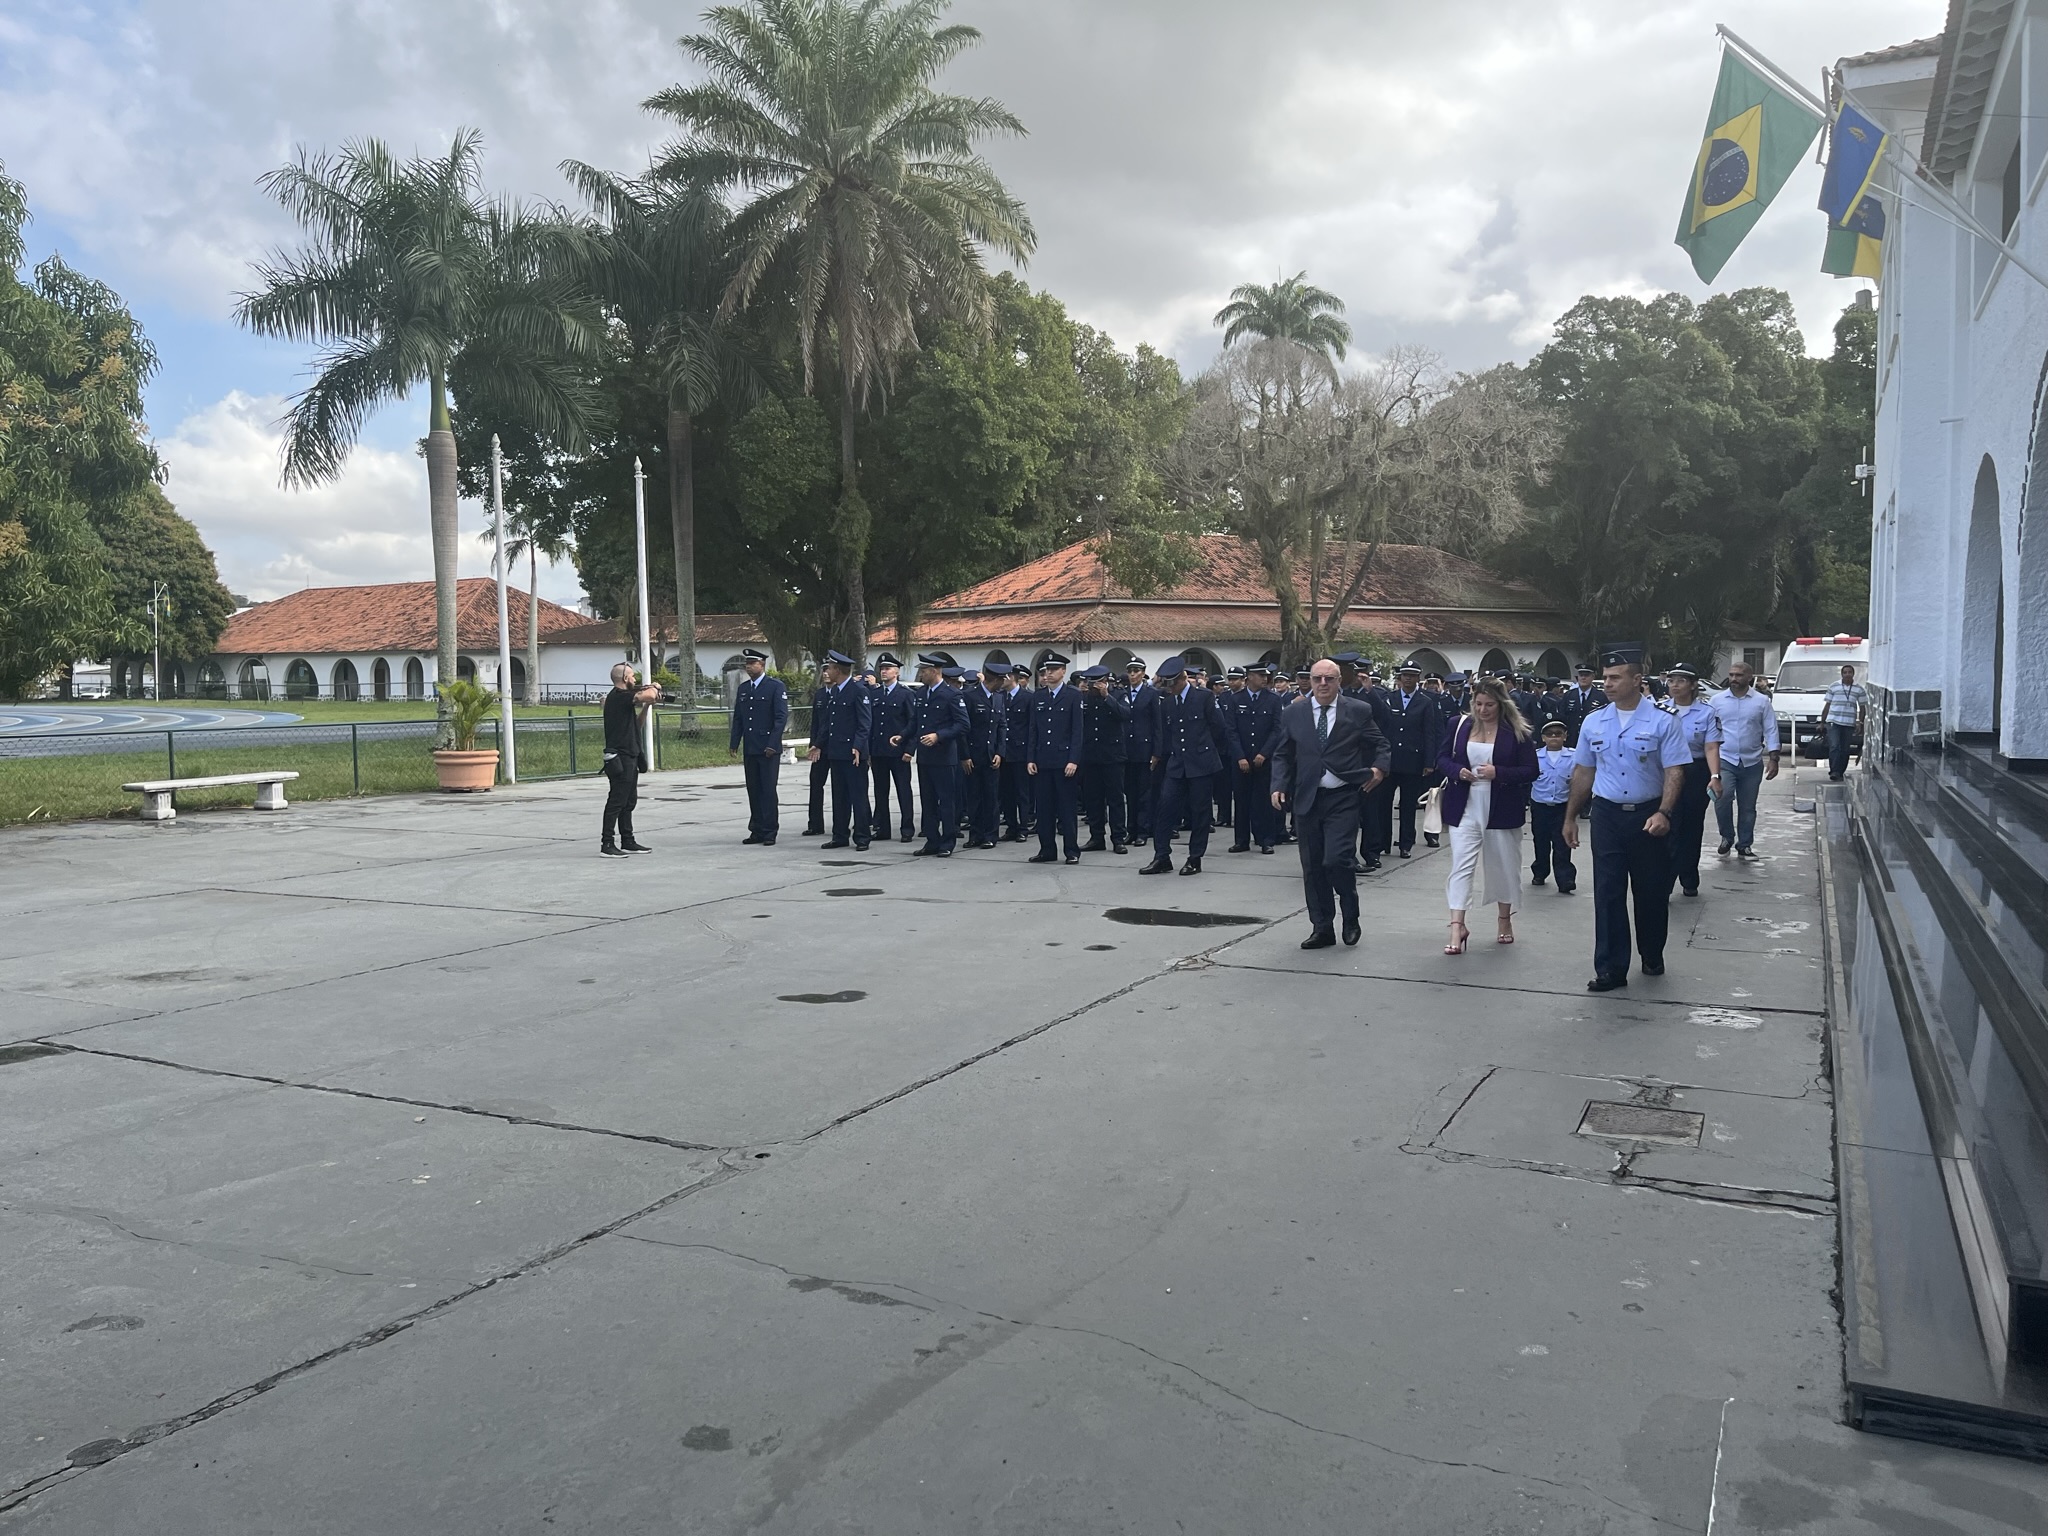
(1810, 666)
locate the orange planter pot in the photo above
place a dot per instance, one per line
(468, 771)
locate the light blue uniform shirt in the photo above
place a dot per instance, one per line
(1553, 784)
(1697, 718)
(1746, 726)
(1628, 759)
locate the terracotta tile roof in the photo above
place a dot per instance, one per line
(398, 616)
(712, 629)
(1415, 596)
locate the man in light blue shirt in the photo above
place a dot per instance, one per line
(1630, 762)
(1745, 730)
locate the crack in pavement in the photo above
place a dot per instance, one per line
(1016, 1325)
(149, 1434)
(225, 1253)
(1496, 986)
(383, 1098)
(1621, 1176)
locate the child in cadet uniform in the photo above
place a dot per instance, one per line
(1547, 799)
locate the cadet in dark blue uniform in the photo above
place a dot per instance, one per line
(1257, 724)
(888, 749)
(841, 723)
(760, 714)
(1690, 824)
(1581, 699)
(1630, 763)
(821, 774)
(1055, 763)
(985, 717)
(1413, 725)
(1194, 744)
(937, 727)
(1104, 715)
(1138, 779)
(1016, 755)
(1228, 691)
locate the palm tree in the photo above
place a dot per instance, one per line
(529, 538)
(661, 262)
(1290, 309)
(863, 204)
(411, 276)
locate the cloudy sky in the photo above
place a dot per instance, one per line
(1459, 171)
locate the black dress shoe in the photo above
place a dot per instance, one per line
(1407, 853)
(814, 831)
(1352, 932)
(1540, 880)
(906, 837)
(1042, 858)
(861, 847)
(1119, 847)
(837, 842)
(1095, 845)
(1239, 848)
(1322, 938)
(633, 847)
(1653, 967)
(1429, 838)
(751, 837)
(1191, 867)
(1372, 866)
(1606, 983)
(1567, 890)
(1158, 867)
(1265, 847)
(1073, 858)
(612, 851)
(943, 853)
(1690, 890)
(923, 853)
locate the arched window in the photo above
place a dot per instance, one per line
(213, 683)
(1196, 656)
(1429, 661)
(1271, 658)
(1038, 660)
(997, 658)
(465, 668)
(380, 680)
(1116, 658)
(415, 679)
(252, 682)
(1553, 663)
(300, 681)
(1496, 661)
(518, 678)
(346, 684)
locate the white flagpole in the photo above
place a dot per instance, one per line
(508, 759)
(640, 547)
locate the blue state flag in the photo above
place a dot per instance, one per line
(1855, 149)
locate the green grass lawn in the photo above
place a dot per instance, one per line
(329, 764)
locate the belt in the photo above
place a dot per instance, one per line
(1628, 805)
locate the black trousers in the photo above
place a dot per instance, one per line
(1138, 799)
(821, 774)
(1546, 826)
(1628, 861)
(1102, 801)
(1220, 787)
(850, 814)
(1326, 833)
(1016, 792)
(1689, 826)
(1180, 797)
(1406, 790)
(891, 770)
(1255, 813)
(764, 811)
(941, 811)
(1058, 799)
(622, 776)
(982, 803)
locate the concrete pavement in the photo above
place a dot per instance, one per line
(399, 1165)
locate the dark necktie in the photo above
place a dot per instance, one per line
(1323, 723)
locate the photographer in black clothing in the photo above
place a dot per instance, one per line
(625, 758)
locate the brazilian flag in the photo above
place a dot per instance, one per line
(1857, 248)
(1755, 135)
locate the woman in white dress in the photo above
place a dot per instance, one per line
(1488, 764)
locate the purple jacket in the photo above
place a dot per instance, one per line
(1514, 770)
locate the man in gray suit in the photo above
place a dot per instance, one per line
(1327, 757)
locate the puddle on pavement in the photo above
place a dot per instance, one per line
(10, 1054)
(856, 890)
(821, 997)
(1164, 917)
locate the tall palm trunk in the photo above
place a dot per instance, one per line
(532, 620)
(682, 517)
(854, 520)
(442, 519)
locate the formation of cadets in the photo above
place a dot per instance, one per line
(1003, 756)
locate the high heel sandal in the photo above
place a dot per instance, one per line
(1457, 945)
(1505, 935)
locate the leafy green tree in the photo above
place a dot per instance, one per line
(412, 276)
(1824, 555)
(865, 201)
(147, 542)
(1288, 309)
(72, 366)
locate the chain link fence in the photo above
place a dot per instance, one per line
(67, 777)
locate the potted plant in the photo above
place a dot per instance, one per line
(462, 767)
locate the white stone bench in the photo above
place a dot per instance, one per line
(156, 793)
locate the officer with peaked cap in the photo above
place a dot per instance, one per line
(760, 714)
(1105, 713)
(891, 746)
(1257, 725)
(1688, 827)
(982, 803)
(1581, 698)
(1413, 724)
(1194, 744)
(1055, 762)
(1016, 754)
(842, 720)
(1630, 765)
(1140, 735)
(937, 727)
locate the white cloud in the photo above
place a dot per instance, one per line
(370, 525)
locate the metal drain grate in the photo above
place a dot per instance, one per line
(1641, 1122)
